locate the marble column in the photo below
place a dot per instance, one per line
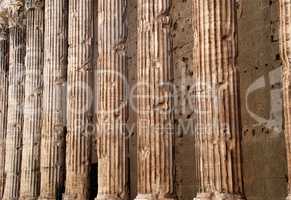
(155, 131)
(285, 47)
(218, 128)
(16, 100)
(4, 66)
(80, 100)
(54, 100)
(112, 101)
(30, 169)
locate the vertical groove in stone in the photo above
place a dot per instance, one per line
(79, 115)
(54, 99)
(155, 104)
(218, 131)
(112, 113)
(30, 169)
(16, 101)
(285, 48)
(4, 65)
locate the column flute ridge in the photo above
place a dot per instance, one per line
(155, 102)
(4, 70)
(285, 45)
(112, 101)
(218, 128)
(16, 99)
(53, 141)
(79, 105)
(30, 169)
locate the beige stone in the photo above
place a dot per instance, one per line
(54, 99)
(16, 101)
(4, 65)
(79, 96)
(155, 126)
(30, 169)
(217, 124)
(111, 102)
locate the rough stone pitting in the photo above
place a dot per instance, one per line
(54, 103)
(15, 111)
(112, 107)
(155, 127)
(30, 169)
(79, 114)
(218, 132)
(4, 65)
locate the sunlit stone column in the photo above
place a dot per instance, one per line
(4, 65)
(111, 100)
(54, 100)
(218, 130)
(79, 115)
(155, 103)
(16, 100)
(285, 48)
(30, 169)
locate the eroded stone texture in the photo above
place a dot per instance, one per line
(79, 115)
(218, 131)
(285, 48)
(54, 99)
(154, 103)
(16, 101)
(112, 101)
(30, 169)
(4, 65)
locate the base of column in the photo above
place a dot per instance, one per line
(46, 198)
(152, 197)
(28, 198)
(218, 196)
(288, 197)
(74, 197)
(108, 197)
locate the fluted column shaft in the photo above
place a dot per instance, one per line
(111, 100)
(16, 101)
(154, 102)
(30, 169)
(80, 37)
(54, 100)
(218, 131)
(285, 48)
(4, 65)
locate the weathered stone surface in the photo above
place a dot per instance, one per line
(30, 169)
(285, 48)
(16, 101)
(4, 65)
(79, 115)
(54, 99)
(154, 103)
(218, 128)
(111, 99)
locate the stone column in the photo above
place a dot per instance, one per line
(30, 169)
(112, 103)
(16, 101)
(285, 47)
(4, 65)
(54, 100)
(218, 128)
(79, 115)
(155, 103)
